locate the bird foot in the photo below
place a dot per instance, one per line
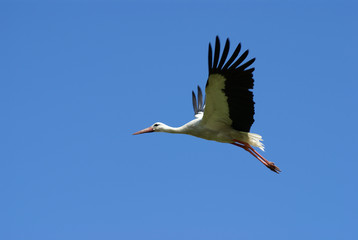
(273, 167)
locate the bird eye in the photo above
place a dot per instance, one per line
(156, 125)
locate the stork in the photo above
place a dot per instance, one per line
(227, 113)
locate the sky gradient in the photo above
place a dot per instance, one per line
(77, 78)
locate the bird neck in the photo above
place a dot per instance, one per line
(169, 129)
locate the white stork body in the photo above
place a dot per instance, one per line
(222, 134)
(227, 114)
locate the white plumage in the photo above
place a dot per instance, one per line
(227, 113)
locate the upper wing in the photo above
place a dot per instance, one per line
(200, 105)
(229, 100)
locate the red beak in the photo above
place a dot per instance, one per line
(146, 130)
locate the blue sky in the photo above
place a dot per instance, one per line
(78, 78)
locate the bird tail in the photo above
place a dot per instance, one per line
(255, 140)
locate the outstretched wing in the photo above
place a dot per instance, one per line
(198, 105)
(229, 100)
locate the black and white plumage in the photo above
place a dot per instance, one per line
(227, 113)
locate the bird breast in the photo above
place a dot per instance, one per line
(195, 128)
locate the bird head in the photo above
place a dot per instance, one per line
(156, 127)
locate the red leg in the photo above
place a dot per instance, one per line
(249, 150)
(257, 155)
(253, 150)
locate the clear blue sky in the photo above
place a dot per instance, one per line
(77, 78)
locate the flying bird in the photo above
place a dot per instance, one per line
(227, 113)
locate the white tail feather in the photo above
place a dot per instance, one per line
(255, 140)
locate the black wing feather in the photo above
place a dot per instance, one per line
(210, 57)
(245, 65)
(217, 52)
(225, 53)
(233, 56)
(194, 102)
(240, 60)
(199, 105)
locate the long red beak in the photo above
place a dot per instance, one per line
(146, 130)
